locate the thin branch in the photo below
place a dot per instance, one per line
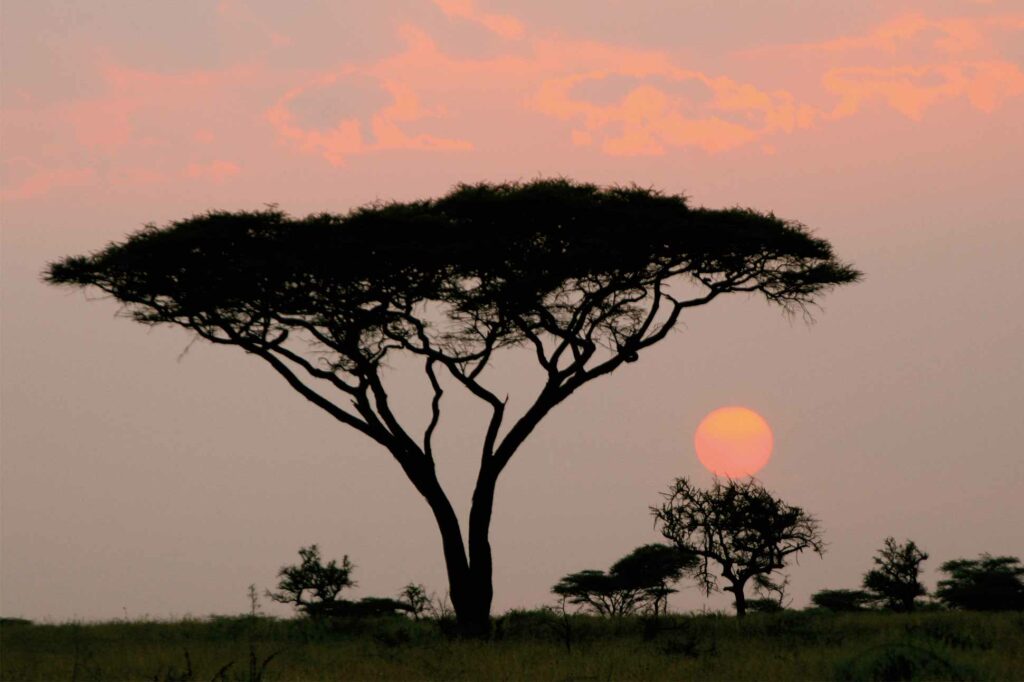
(296, 383)
(435, 409)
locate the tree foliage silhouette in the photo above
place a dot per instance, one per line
(315, 589)
(894, 580)
(842, 600)
(584, 277)
(311, 583)
(987, 583)
(748, 532)
(640, 580)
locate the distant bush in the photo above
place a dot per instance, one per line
(764, 606)
(7, 622)
(842, 600)
(987, 583)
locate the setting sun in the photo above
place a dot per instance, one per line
(733, 442)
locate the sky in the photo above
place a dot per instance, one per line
(147, 476)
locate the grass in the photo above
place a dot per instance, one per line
(527, 645)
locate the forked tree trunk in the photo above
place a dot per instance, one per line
(470, 585)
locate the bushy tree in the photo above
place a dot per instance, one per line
(987, 583)
(315, 588)
(740, 526)
(894, 580)
(416, 598)
(640, 580)
(584, 277)
(311, 583)
(842, 600)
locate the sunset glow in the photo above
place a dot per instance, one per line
(890, 130)
(733, 442)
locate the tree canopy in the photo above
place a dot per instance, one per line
(842, 600)
(584, 276)
(748, 532)
(894, 580)
(640, 580)
(988, 583)
(311, 582)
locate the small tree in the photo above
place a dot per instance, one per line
(311, 584)
(987, 583)
(739, 525)
(653, 569)
(894, 580)
(639, 580)
(416, 598)
(841, 600)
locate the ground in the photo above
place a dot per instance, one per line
(534, 645)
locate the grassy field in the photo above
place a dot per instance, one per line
(528, 645)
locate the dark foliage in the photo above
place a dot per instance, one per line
(315, 589)
(894, 580)
(842, 600)
(639, 581)
(586, 277)
(987, 583)
(742, 527)
(416, 600)
(764, 605)
(311, 584)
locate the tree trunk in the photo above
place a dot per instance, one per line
(741, 599)
(481, 566)
(470, 584)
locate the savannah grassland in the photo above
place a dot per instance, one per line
(534, 645)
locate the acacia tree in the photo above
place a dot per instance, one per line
(748, 532)
(988, 583)
(894, 580)
(586, 277)
(639, 580)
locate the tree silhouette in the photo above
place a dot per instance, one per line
(842, 600)
(894, 580)
(310, 584)
(639, 580)
(584, 277)
(742, 527)
(987, 583)
(315, 589)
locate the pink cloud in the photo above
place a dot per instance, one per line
(43, 181)
(347, 137)
(649, 119)
(148, 126)
(914, 62)
(502, 24)
(911, 90)
(947, 35)
(214, 171)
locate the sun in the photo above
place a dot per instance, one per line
(734, 442)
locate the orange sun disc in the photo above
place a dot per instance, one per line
(733, 442)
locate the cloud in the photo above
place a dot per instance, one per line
(142, 126)
(347, 137)
(42, 181)
(214, 171)
(502, 24)
(914, 62)
(653, 113)
(911, 90)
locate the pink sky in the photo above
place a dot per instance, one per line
(136, 478)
